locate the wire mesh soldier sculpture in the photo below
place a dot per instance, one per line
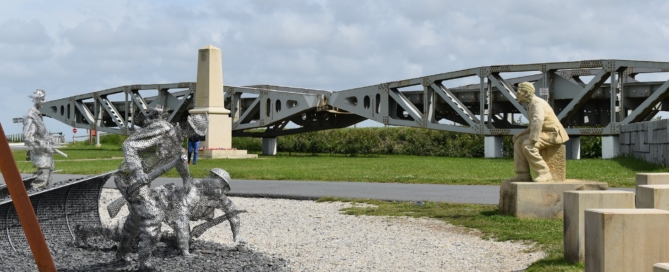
(199, 203)
(152, 147)
(37, 137)
(180, 207)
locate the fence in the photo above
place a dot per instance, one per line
(56, 137)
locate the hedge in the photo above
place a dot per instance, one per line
(394, 140)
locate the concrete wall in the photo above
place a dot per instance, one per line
(646, 140)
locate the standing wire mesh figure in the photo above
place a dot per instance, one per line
(147, 150)
(37, 137)
(193, 146)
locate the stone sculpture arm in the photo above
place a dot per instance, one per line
(536, 121)
(526, 131)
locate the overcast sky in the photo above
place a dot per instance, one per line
(74, 47)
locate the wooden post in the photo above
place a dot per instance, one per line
(24, 208)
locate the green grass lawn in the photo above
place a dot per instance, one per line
(619, 172)
(545, 235)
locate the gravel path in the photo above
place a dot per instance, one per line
(293, 235)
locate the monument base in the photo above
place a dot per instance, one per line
(543, 200)
(226, 154)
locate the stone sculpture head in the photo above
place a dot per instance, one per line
(38, 98)
(197, 124)
(525, 92)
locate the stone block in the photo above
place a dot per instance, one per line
(575, 204)
(226, 154)
(652, 197)
(661, 267)
(540, 199)
(556, 158)
(652, 178)
(625, 239)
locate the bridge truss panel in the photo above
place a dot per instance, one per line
(584, 106)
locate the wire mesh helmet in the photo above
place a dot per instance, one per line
(218, 172)
(199, 123)
(38, 94)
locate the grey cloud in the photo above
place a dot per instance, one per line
(99, 34)
(19, 32)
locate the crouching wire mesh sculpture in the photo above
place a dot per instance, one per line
(154, 149)
(180, 206)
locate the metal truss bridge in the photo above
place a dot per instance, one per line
(580, 92)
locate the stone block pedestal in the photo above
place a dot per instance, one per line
(652, 197)
(575, 204)
(652, 178)
(661, 267)
(625, 239)
(226, 154)
(540, 199)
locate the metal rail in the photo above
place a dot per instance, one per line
(589, 107)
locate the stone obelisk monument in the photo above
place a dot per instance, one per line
(209, 99)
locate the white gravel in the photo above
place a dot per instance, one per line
(317, 237)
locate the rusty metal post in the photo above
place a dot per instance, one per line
(24, 208)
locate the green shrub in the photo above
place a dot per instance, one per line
(591, 146)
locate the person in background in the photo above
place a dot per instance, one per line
(193, 146)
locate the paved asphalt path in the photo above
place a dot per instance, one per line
(480, 194)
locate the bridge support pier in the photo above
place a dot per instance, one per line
(493, 146)
(269, 146)
(610, 147)
(573, 148)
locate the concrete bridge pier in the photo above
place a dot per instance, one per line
(269, 146)
(493, 146)
(573, 148)
(610, 146)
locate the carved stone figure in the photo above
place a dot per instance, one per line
(545, 130)
(37, 137)
(146, 151)
(180, 207)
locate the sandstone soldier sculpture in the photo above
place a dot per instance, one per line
(544, 130)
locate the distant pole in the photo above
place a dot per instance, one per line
(24, 208)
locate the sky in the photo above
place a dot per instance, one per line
(74, 47)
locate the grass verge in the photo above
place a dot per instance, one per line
(546, 235)
(619, 172)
